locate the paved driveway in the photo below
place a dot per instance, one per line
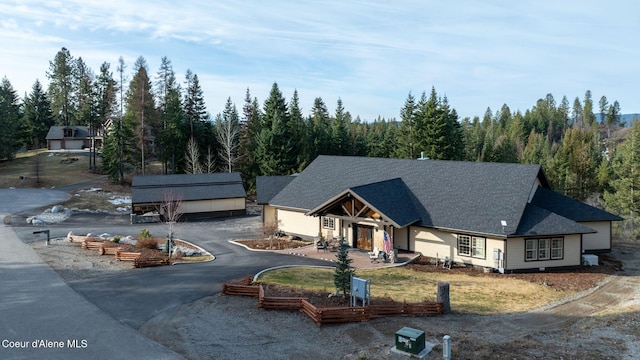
(36, 304)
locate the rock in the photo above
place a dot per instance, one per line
(105, 236)
(57, 209)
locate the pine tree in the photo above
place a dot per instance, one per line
(320, 129)
(249, 130)
(344, 271)
(37, 118)
(172, 138)
(275, 143)
(61, 87)
(141, 114)
(624, 196)
(408, 140)
(299, 132)
(340, 131)
(9, 120)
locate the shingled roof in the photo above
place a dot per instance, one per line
(57, 132)
(452, 195)
(187, 187)
(270, 186)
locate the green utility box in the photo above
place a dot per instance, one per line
(410, 340)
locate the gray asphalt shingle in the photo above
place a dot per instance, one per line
(187, 187)
(455, 195)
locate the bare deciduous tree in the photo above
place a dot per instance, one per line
(192, 158)
(228, 132)
(171, 212)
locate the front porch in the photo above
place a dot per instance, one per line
(360, 258)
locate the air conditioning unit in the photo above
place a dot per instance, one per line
(590, 260)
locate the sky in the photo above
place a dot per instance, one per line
(369, 54)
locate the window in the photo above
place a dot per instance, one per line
(544, 249)
(464, 245)
(531, 250)
(328, 223)
(473, 246)
(557, 248)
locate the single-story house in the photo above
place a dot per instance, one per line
(492, 215)
(72, 138)
(201, 195)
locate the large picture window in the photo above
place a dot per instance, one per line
(473, 246)
(544, 249)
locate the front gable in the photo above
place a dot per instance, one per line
(387, 202)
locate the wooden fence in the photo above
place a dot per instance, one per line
(320, 315)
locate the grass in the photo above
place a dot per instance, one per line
(470, 295)
(39, 168)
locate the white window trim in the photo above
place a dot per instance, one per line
(535, 253)
(328, 223)
(474, 244)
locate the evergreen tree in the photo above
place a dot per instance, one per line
(61, 87)
(172, 138)
(86, 106)
(250, 125)
(344, 271)
(141, 114)
(576, 162)
(299, 133)
(195, 110)
(37, 118)
(440, 135)
(9, 120)
(408, 138)
(275, 143)
(339, 131)
(320, 129)
(624, 196)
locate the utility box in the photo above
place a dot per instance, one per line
(589, 260)
(410, 340)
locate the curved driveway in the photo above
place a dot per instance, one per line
(35, 303)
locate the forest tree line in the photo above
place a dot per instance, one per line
(582, 147)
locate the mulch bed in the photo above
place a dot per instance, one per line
(275, 244)
(579, 279)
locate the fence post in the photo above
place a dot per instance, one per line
(443, 296)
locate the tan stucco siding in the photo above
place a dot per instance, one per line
(600, 240)
(401, 238)
(268, 214)
(441, 244)
(297, 223)
(202, 206)
(432, 243)
(515, 255)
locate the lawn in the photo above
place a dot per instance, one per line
(469, 294)
(34, 169)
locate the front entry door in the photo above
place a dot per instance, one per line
(364, 237)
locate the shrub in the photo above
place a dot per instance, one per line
(116, 239)
(144, 233)
(146, 243)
